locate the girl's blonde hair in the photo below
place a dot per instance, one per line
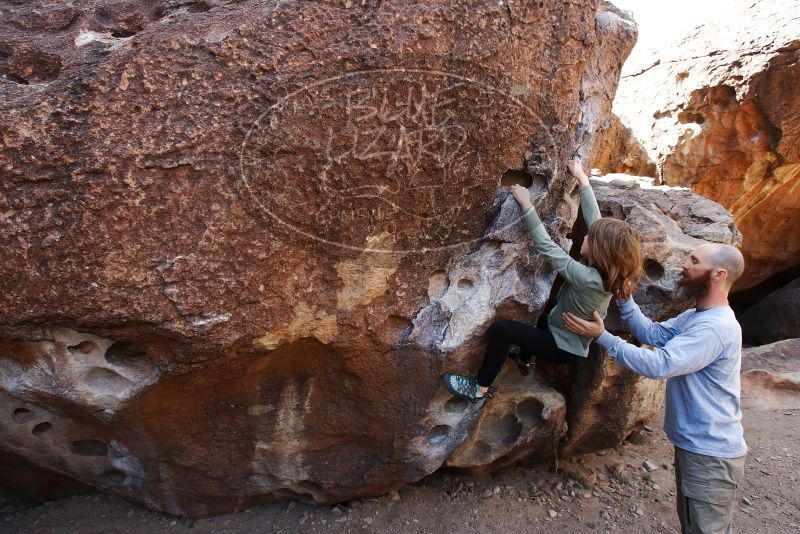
(616, 251)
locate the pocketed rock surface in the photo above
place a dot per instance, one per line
(607, 491)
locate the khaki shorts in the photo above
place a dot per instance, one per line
(707, 491)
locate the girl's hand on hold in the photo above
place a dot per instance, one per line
(522, 196)
(576, 169)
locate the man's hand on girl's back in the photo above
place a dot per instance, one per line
(581, 327)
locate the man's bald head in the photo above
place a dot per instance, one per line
(726, 257)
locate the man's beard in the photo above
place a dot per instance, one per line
(694, 288)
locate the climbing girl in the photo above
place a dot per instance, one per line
(611, 265)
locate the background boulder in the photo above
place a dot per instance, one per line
(717, 111)
(771, 375)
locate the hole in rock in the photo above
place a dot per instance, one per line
(24, 65)
(121, 33)
(89, 447)
(653, 269)
(456, 405)
(41, 428)
(124, 353)
(465, 283)
(514, 176)
(199, 7)
(114, 476)
(722, 95)
(508, 428)
(686, 117)
(84, 347)
(438, 434)
(529, 412)
(22, 415)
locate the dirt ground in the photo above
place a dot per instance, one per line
(608, 491)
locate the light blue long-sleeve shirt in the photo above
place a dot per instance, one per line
(699, 352)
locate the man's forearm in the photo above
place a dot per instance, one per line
(686, 353)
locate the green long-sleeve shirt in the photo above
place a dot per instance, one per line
(583, 291)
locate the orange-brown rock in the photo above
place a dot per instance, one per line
(616, 150)
(718, 112)
(242, 240)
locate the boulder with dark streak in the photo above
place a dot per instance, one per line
(242, 240)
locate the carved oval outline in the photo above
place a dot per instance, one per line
(277, 105)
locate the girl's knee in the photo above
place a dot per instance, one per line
(500, 328)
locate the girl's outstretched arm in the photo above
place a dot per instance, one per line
(589, 207)
(573, 271)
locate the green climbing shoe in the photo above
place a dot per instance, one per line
(465, 387)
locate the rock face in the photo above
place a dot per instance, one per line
(616, 150)
(771, 375)
(718, 112)
(242, 240)
(776, 317)
(615, 32)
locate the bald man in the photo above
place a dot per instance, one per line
(699, 353)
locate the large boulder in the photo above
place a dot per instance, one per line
(242, 240)
(775, 317)
(718, 112)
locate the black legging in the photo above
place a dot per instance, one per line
(532, 340)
